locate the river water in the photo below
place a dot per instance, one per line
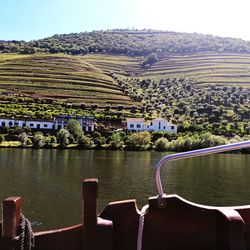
(50, 181)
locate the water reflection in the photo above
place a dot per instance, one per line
(49, 181)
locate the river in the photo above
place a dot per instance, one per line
(50, 181)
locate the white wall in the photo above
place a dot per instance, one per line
(43, 124)
(154, 125)
(162, 125)
(20, 123)
(135, 126)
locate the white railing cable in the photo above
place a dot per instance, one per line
(141, 226)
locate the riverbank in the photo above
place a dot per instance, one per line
(162, 144)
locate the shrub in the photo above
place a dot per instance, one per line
(196, 141)
(85, 142)
(151, 59)
(116, 141)
(63, 137)
(38, 140)
(50, 141)
(139, 141)
(161, 144)
(2, 138)
(75, 129)
(23, 137)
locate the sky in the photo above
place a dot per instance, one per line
(34, 19)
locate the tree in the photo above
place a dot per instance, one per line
(98, 139)
(151, 59)
(2, 138)
(139, 141)
(75, 129)
(116, 141)
(85, 142)
(38, 140)
(23, 137)
(161, 144)
(63, 137)
(50, 141)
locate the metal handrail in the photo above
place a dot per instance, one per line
(199, 152)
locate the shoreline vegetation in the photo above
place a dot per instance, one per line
(72, 137)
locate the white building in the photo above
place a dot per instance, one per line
(33, 124)
(135, 124)
(158, 124)
(86, 123)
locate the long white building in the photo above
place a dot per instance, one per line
(58, 122)
(158, 124)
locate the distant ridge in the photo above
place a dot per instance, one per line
(127, 42)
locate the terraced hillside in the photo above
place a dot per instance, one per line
(58, 77)
(204, 68)
(120, 65)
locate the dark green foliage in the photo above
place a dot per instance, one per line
(23, 139)
(128, 42)
(161, 144)
(39, 140)
(63, 137)
(193, 108)
(2, 138)
(75, 129)
(116, 141)
(160, 134)
(195, 141)
(85, 142)
(139, 141)
(50, 141)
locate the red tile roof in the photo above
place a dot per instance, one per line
(135, 120)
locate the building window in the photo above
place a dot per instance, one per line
(172, 127)
(24, 124)
(159, 124)
(131, 126)
(10, 123)
(138, 125)
(16, 123)
(31, 124)
(164, 127)
(45, 125)
(3, 124)
(151, 123)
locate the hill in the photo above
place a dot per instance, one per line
(203, 68)
(61, 77)
(127, 42)
(61, 80)
(199, 82)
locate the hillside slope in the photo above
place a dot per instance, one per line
(58, 77)
(203, 68)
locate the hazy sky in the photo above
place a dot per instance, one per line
(33, 19)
